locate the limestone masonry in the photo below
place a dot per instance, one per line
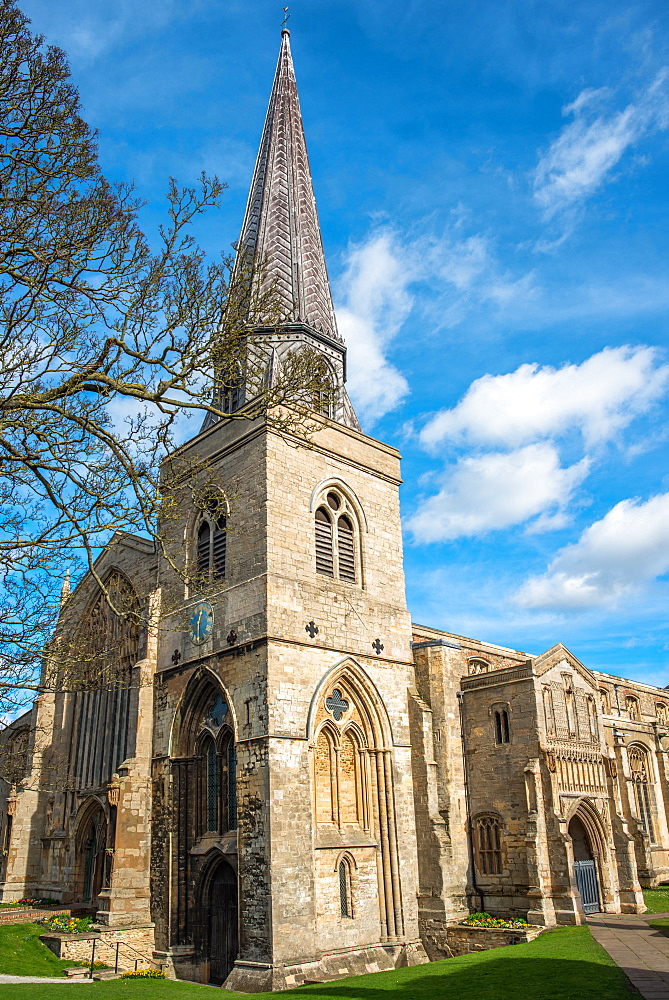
(268, 775)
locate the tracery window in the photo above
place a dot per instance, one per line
(632, 707)
(336, 538)
(478, 667)
(501, 720)
(639, 772)
(218, 771)
(211, 540)
(488, 845)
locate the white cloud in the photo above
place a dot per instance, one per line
(377, 292)
(598, 397)
(612, 559)
(587, 149)
(498, 490)
(375, 304)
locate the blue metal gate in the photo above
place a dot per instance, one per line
(586, 880)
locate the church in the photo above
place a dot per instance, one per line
(285, 780)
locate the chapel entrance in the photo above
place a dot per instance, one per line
(222, 930)
(585, 867)
(91, 853)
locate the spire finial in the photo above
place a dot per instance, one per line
(284, 23)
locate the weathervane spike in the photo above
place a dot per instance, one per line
(286, 15)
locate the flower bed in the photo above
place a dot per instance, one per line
(64, 924)
(143, 974)
(503, 923)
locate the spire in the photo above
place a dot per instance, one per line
(281, 231)
(65, 589)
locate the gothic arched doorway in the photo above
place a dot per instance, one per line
(585, 866)
(91, 854)
(221, 929)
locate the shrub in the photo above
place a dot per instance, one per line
(143, 974)
(485, 920)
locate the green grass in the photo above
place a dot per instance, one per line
(23, 954)
(564, 964)
(657, 900)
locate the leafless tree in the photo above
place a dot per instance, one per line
(105, 342)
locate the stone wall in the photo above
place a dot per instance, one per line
(464, 940)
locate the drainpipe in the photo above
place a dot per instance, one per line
(468, 809)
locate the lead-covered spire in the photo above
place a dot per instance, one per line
(281, 234)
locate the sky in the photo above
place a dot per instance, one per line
(492, 187)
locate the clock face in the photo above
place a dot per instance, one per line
(201, 622)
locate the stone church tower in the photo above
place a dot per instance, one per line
(282, 756)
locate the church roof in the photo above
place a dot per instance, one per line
(281, 232)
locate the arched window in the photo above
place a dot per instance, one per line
(325, 779)
(488, 845)
(605, 701)
(349, 781)
(336, 538)
(592, 718)
(345, 901)
(501, 719)
(661, 713)
(632, 707)
(211, 541)
(639, 773)
(478, 667)
(212, 784)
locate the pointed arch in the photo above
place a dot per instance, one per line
(346, 702)
(338, 483)
(200, 690)
(369, 701)
(90, 844)
(589, 815)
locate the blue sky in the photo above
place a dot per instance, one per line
(492, 187)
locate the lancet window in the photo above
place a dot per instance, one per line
(336, 538)
(662, 713)
(605, 701)
(643, 794)
(345, 894)
(501, 722)
(323, 400)
(488, 845)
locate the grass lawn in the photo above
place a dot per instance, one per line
(23, 954)
(657, 900)
(564, 964)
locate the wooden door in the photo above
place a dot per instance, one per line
(222, 923)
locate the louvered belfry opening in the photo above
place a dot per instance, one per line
(345, 545)
(211, 542)
(203, 545)
(324, 550)
(218, 548)
(335, 538)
